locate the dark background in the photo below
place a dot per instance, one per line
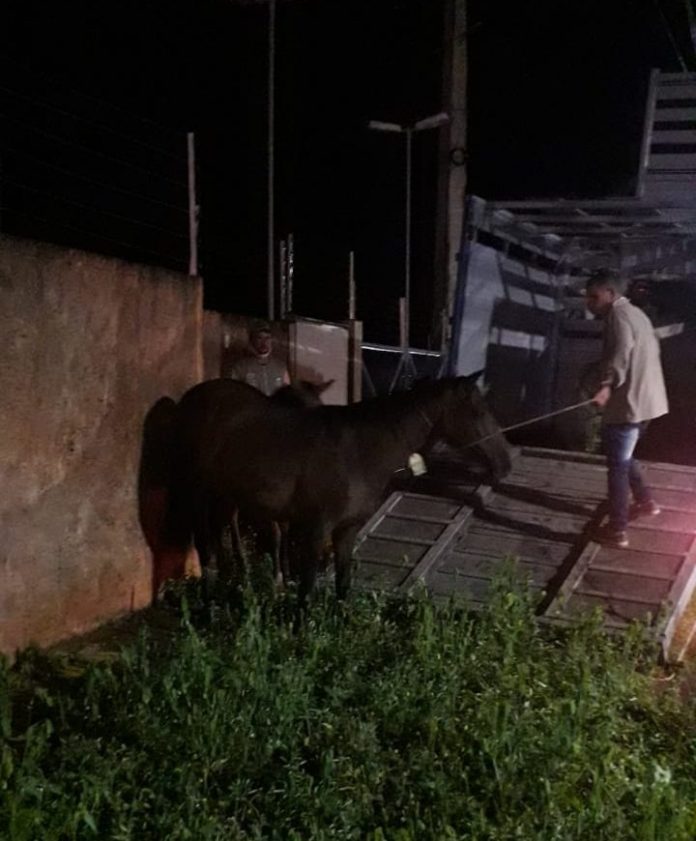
(556, 99)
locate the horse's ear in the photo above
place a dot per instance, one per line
(470, 379)
(322, 387)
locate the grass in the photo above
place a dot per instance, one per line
(380, 719)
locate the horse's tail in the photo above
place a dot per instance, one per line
(164, 514)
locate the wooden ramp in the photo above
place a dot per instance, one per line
(453, 534)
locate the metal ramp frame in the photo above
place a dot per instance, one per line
(453, 534)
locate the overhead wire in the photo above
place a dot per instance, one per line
(51, 79)
(102, 126)
(136, 249)
(92, 208)
(72, 173)
(91, 151)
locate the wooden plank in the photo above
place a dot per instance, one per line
(421, 569)
(560, 471)
(651, 605)
(581, 492)
(514, 544)
(390, 551)
(635, 562)
(414, 518)
(393, 527)
(611, 625)
(557, 479)
(507, 502)
(556, 603)
(550, 526)
(668, 520)
(653, 540)
(376, 518)
(678, 598)
(616, 610)
(660, 476)
(641, 589)
(475, 589)
(403, 538)
(561, 455)
(379, 576)
(474, 565)
(676, 499)
(411, 504)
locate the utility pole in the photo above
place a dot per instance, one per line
(270, 291)
(452, 163)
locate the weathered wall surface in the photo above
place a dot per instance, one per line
(87, 346)
(212, 344)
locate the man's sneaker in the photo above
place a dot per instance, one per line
(612, 538)
(644, 509)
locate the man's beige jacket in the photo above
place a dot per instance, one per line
(631, 365)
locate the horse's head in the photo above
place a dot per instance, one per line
(466, 419)
(301, 394)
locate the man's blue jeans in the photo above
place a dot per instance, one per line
(619, 441)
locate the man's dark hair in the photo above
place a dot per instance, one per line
(606, 279)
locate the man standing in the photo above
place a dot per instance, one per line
(632, 393)
(260, 368)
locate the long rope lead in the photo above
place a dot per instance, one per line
(529, 422)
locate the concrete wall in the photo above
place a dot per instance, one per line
(87, 347)
(212, 344)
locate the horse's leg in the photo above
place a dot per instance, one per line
(311, 545)
(201, 542)
(343, 542)
(239, 545)
(282, 553)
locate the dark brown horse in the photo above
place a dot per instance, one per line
(324, 469)
(205, 416)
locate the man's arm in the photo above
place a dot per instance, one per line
(616, 360)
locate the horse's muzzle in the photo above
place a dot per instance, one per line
(499, 457)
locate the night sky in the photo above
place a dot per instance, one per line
(557, 93)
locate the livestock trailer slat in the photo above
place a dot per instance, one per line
(672, 114)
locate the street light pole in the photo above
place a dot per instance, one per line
(434, 121)
(407, 270)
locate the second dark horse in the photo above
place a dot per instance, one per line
(324, 469)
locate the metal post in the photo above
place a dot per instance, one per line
(271, 159)
(283, 275)
(192, 206)
(291, 270)
(403, 323)
(351, 286)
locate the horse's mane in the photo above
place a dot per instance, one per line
(390, 408)
(423, 393)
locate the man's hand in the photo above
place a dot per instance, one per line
(602, 397)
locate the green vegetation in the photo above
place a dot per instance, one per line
(380, 719)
